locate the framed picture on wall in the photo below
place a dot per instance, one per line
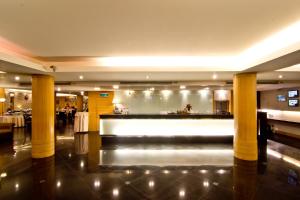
(281, 98)
(293, 102)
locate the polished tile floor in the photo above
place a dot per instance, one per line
(81, 169)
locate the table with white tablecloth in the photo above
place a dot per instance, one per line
(18, 120)
(81, 122)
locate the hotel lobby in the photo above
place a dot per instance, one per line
(149, 99)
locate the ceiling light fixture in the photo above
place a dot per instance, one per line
(59, 89)
(80, 77)
(17, 78)
(280, 76)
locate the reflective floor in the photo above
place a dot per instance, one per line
(81, 169)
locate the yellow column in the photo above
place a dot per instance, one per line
(42, 116)
(245, 137)
(2, 101)
(79, 103)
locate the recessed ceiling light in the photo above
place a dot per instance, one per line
(280, 76)
(116, 87)
(17, 78)
(96, 88)
(215, 76)
(147, 77)
(59, 89)
(182, 87)
(80, 77)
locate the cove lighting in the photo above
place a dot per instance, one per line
(65, 95)
(279, 43)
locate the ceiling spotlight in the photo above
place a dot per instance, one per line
(115, 87)
(96, 88)
(58, 89)
(80, 77)
(280, 76)
(215, 76)
(182, 87)
(17, 78)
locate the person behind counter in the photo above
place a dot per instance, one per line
(188, 108)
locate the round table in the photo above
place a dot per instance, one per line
(18, 120)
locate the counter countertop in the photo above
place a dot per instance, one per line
(165, 116)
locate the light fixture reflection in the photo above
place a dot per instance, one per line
(166, 171)
(205, 183)
(181, 193)
(221, 171)
(17, 186)
(58, 184)
(203, 171)
(184, 171)
(81, 164)
(151, 184)
(3, 175)
(115, 192)
(97, 183)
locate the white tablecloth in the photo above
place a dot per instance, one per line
(18, 120)
(81, 123)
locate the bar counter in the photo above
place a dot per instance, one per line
(166, 125)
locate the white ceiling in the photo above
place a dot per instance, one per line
(139, 27)
(63, 32)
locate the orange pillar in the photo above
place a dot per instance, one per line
(42, 116)
(245, 122)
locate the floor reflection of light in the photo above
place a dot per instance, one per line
(17, 186)
(81, 164)
(3, 175)
(127, 183)
(285, 158)
(166, 171)
(151, 184)
(205, 183)
(70, 155)
(184, 171)
(182, 193)
(147, 172)
(221, 171)
(96, 183)
(128, 172)
(203, 171)
(58, 184)
(115, 192)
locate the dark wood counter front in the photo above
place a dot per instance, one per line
(168, 116)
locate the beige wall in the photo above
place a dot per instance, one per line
(269, 100)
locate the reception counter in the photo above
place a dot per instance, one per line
(159, 125)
